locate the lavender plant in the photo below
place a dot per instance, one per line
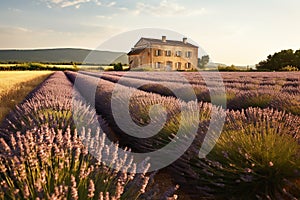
(254, 151)
(243, 90)
(47, 104)
(49, 164)
(139, 107)
(39, 160)
(256, 157)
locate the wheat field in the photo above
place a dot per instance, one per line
(15, 85)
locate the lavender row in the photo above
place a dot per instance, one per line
(256, 157)
(50, 103)
(139, 106)
(255, 78)
(238, 96)
(44, 157)
(283, 82)
(108, 87)
(243, 155)
(45, 100)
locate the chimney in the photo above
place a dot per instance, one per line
(164, 38)
(184, 40)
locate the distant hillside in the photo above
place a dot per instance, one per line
(65, 55)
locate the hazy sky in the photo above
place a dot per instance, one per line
(232, 32)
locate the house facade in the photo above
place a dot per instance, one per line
(163, 54)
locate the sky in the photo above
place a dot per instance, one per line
(235, 32)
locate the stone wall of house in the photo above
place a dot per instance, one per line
(172, 59)
(149, 58)
(141, 60)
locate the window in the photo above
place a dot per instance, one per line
(158, 65)
(178, 53)
(188, 65)
(188, 54)
(178, 65)
(168, 53)
(158, 52)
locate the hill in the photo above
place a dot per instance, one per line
(63, 55)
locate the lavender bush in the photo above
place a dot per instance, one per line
(43, 157)
(47, 104)
(256, 157)
(138, 107)
(49, 164)
(243, 89)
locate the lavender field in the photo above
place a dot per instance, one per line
(278, 90)
(53, 148)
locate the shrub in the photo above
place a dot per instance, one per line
(36, 66)
(287, 102)
(228, 68)
(247, 99)
(118, 67)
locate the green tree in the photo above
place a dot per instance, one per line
(203, 61)
(118, 67)
(228, 68)
(279, 60)
(297, 59)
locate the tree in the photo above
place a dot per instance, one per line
(118, 67)
(203, 61)
(297, 59)
(279, 60)
(228, 68)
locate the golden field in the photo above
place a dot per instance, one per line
(15, 85)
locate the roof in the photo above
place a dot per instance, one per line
(168, 42)
(136, 51)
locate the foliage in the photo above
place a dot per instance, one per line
(117, 66)
(280, 60)
(228, 68)
(203, 61)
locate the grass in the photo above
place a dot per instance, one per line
(15, 85)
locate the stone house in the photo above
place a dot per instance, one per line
(163, 54)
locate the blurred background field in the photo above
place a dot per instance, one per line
(32, 66)
(15, 85)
